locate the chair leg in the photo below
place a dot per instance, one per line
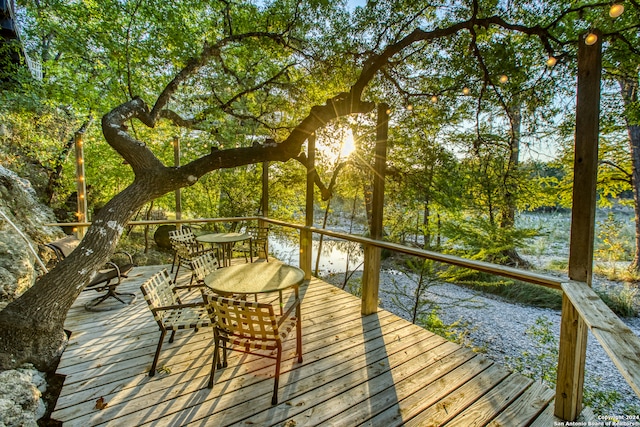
(155, 358)
(175, 279)
(299, 333)
(274, 398)
(173, 263)
(224, 354)
(216, 360)
(173, 335)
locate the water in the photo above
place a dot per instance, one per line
(333, 259)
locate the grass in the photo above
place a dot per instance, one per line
(515, 291)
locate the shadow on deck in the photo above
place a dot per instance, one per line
(376, 370)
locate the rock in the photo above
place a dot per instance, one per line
(20, 206)
(21, 401)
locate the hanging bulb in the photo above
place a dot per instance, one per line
(388, 111)
(551, 61)
(466, 91)
(616, 10)
(503, 79)
(409, 107)
(591, 39)
(434, 99)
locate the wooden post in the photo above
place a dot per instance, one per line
(372, 254)
(573, 331)
(176, 163)
(265, 200)
(81, 186)
(306, 237)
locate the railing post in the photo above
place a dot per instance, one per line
(306, 237)
(265, 199)
(81, 186)
(178, 193)
(573, 330)
(371, 272)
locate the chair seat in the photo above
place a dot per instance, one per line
(103, 277)
(186, 318)
(263, 344)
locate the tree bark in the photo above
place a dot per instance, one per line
(629, 91)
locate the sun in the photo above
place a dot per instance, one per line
(348, 144)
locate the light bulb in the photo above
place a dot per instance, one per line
(466, 91)
(388, 112)
(503, 79)
(409, 107)
(551, 61)
(591, 39)
(434, 99)
(616, 10)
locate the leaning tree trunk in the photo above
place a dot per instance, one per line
(629, 91)
(32, 325)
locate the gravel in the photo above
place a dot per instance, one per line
(499, 329)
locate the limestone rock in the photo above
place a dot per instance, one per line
(21, 401)
(21, 207)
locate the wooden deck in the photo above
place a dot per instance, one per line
(376, 370)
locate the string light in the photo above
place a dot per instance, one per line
(616, 10)
(551, 61)
(503, 79)
(434, 99)
(388, 111)
(591, 39)
(409, 107)
(466, 91)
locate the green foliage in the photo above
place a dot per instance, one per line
(621, 300)
(480, 238)
(612, 245)
(513, 291)
(540, 363)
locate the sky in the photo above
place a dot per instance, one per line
(355, 3)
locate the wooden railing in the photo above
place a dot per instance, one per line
(581, 305)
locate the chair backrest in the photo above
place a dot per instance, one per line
(184, 242)
(203, 265)
(259, 233)
(159, 291)
(184, 234)
(63, 247)
(248, 320)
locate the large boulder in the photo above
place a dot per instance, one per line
(21, 402)
(22, 228)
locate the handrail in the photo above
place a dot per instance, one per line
(486, 267)
(616, 338)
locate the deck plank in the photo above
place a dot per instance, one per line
(357, 370)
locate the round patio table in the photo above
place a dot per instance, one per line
(226, 241)
(258, 278)
(255, 278)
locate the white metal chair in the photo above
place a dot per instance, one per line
(186, 249)
(169, 311)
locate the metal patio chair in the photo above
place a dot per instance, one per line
(169, 311)
(253, 328)
(107, 279)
